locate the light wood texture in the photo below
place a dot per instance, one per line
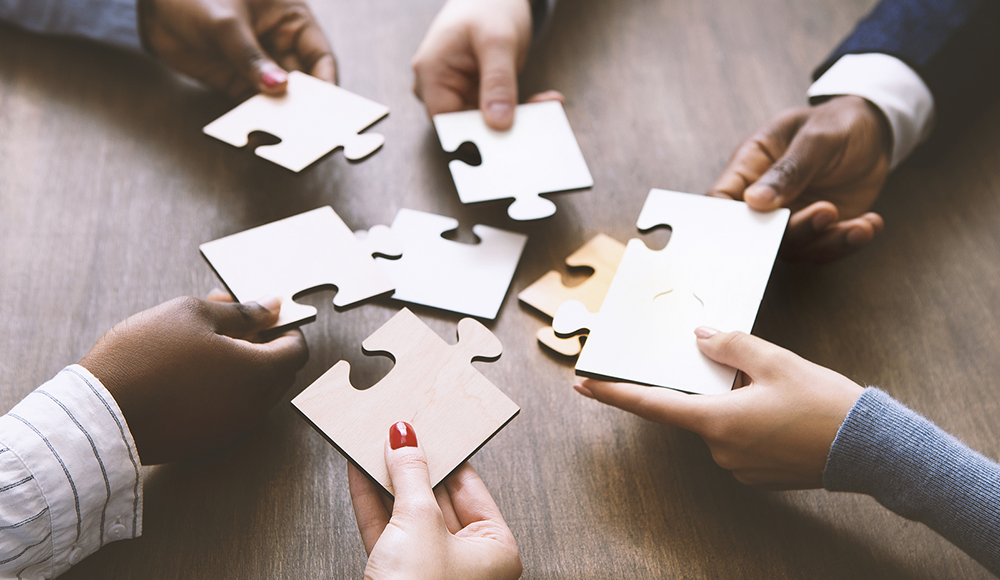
(301, 253)
(312, 118)
(712, 273)
(538, 154)
(601, 254)
(453, 408)
(108, 186)
(465, 278)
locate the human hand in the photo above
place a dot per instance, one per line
(470, 58)
(454, 531)
(774, 432)
(827, 163)
(189, 374)
(238, 46)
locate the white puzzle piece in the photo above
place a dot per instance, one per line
(713, 272)
(539, 154)
(312, 118)
(467, 278)
(300, 253)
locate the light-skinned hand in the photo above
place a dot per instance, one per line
(774, 432)
(470, 58)
(827, 163)
(190, 374)
(454, 531)
(241, 47)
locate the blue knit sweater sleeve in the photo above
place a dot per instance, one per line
(111, 21)
(920, 472)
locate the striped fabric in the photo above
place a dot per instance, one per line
(70, 479)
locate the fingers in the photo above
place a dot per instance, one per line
(315, 53)
(241, 320)
(369, 511)
(407, 466)
(657, 404)
(759, 358)
(756, 155)
(219, 295)
(497, 58)
(471, 500)
(547, 96)
(806, 239)
(807, 155)
(239, 44)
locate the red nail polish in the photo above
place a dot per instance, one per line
(401, 434)
(273, 78)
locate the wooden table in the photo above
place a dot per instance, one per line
(107, 186)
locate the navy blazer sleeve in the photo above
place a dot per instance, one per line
(954, 45)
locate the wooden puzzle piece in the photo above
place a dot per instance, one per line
(713, 272)
(539, 154)
(300, 253)
(453, 408)
(602, 254)
(312, 118)
(467, 278)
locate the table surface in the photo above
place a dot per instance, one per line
(107, 187)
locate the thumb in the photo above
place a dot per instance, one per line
(807, 155)
(497, 82)
(240, 320)
(407, 465)
(757, 357)
(240, 47)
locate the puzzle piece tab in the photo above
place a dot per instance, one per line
(602, 254)
(539, 154)
(453, 408)
(300, 253)
(467, 278)
(713, 272)
(312, 118)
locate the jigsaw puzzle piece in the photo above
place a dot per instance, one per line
(312, 118)
(300, 253)
(538, 154)
(466, 278)
(432, 385)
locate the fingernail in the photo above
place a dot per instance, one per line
(763, 195)
(499, 112)
(705, 332)
(821, 221)
(583, 391)
(273, 78)
(401, 434)
(271, 303)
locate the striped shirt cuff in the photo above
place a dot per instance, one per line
(70, 478)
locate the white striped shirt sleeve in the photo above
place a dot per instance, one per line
(70, 478)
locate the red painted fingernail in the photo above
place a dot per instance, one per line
(273, 78)
(401, 434)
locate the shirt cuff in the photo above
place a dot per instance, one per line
(111, 21)
(84, 482)
(890, 85)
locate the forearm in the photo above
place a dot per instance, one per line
(920, 472)
(111, 21)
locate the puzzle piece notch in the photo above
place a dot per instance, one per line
(434, 271)
(538, 154)
(601, 254)
(290, 257)
(312, 118)
(433, 386)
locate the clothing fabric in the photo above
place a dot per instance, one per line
(915, 469)
(70, 478)
(954, 45)
(112, 21)
(896, 89)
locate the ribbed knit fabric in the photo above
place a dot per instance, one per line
(920, 472)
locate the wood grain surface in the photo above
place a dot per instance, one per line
(107, 187)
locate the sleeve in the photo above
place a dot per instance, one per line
(70, 479)
(112, 21)
(920, 472)
(954, 45)
(541, 14)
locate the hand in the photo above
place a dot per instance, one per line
(238, 46)
(454, 531)
(191, 374)
(471, 56)
(774, 432)
(827, 163)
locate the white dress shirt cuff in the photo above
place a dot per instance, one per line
(72, 477)
(890, 85)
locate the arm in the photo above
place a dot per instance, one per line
(112, 21)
